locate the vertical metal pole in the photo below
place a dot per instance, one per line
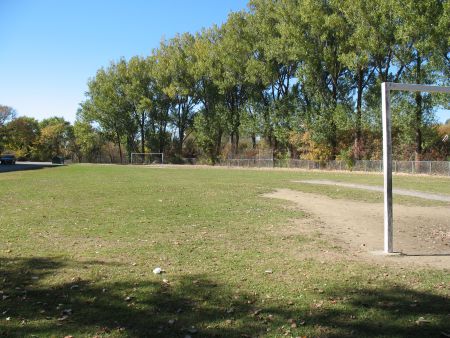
(387, 167)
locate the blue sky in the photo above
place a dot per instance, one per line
(49, 48)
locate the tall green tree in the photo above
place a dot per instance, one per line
(88, 141)
(362, 18)
(209, 124)
(22, 134)
(135, 77)
(174, 72)
(6, 114)
(107, 106)
(234, 49)
(325, 78)
(273, 67)
(55, 139)
(420, 48)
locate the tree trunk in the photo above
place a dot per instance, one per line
(357, 148)
(142, 133)
(180, 141)
(161, 138)
(333, 133)
(120, 148)
(233, 150)
(181, 112)
(418, 131)
(218, 143)
(418, 118)
(131, 146)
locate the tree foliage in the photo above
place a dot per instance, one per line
(301, 77)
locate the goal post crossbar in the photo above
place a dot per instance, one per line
(146, 154)
(386, 87)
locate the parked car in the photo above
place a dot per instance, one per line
(8, 159)
(58, 159)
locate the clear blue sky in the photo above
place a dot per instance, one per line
(49, 48)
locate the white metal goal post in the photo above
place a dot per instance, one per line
(147, 158)
(386, 88)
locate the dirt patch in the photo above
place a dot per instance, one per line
(404, 192)
(421, 234)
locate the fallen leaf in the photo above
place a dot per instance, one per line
(422, 321)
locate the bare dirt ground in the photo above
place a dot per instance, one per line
(404, 192)
(421, 234)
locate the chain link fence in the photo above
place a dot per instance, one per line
(441, 168)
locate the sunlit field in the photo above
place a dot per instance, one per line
(78, 246)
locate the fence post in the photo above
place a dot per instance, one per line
(430, 167)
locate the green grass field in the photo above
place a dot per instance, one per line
(78, 245)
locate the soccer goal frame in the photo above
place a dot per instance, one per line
(144, 154)
(386, 88)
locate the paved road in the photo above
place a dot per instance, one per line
(19, 166)
(404, 192)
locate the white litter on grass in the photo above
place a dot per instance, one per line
(158, 271)
(192, 330)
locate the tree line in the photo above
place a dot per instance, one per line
(299, 77)
(30, 139)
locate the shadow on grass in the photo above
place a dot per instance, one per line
(197, 306)
(21, 166)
